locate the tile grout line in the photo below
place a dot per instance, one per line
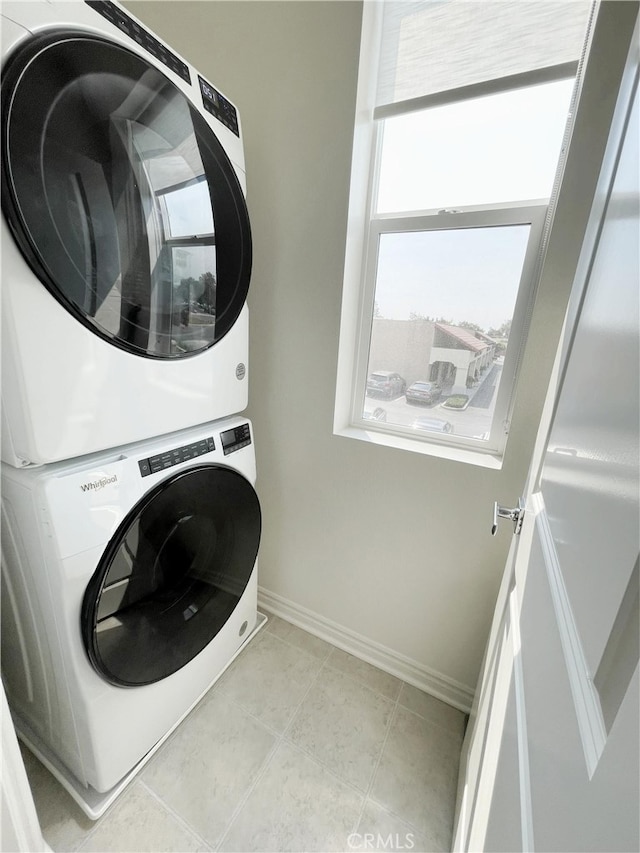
(280, 738)
(96, 824)
(324, 666)
(316, 758)
(79, 845)
(122, 799)
(430, 722)
(294, 713)
(392, 717)
(298, 648)
(283, 737)
(192, 830)
(325, 767)
(327, 665)
(243, 800)
(366, 798)
(361, 681)
(326, 662)
(181, 820)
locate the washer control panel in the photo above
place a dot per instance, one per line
(173, 457)
(151, 44)
(235, 439)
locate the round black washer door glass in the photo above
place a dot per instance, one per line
(121, 198)
(172, 575)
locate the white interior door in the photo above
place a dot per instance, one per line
(19, 824)
(552, 760)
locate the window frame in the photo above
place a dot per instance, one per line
(365, 226)
(532, 214)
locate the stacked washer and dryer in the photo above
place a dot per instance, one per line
(130, 522)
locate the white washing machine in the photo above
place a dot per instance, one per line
(126, 244)
(129, 584)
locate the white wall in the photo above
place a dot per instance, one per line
(390, 545)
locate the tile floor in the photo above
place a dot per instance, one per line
(298, 747)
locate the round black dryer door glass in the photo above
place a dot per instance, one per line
(120, 196)
(172, 575)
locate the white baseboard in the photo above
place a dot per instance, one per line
(446, 689)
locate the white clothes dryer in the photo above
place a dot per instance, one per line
(129, 584)
(126, 244)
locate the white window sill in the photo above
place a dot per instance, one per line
(482, 459)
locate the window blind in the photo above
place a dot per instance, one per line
(434, 46)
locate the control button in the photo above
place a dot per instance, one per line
(119, 19)
(175, 456)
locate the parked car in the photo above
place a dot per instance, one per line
(433, 424)
(378, 414)
(384, 383)
(423, 392)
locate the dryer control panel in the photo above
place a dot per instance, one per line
(212, 100)
(236, 438)
(173, 457)
(150, 43)
(219, 106)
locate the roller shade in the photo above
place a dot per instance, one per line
(433, 46)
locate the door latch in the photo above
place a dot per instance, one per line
(516, 515)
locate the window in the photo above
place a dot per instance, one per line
(462, 114)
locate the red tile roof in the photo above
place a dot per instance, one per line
(464, 336)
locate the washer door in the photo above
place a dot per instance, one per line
(120, 196)
(172, 575)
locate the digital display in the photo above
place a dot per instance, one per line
(218, 106)
(208, 92)
(234, 439)
(228, 438)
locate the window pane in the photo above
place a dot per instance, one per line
(487, 150)
(193, 297)
(444, 302)
(189, 210)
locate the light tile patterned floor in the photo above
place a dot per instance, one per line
(298, 747)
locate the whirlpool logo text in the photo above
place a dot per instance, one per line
(96, 485)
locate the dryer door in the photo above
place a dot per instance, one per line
(121, 197)
(172, 575)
